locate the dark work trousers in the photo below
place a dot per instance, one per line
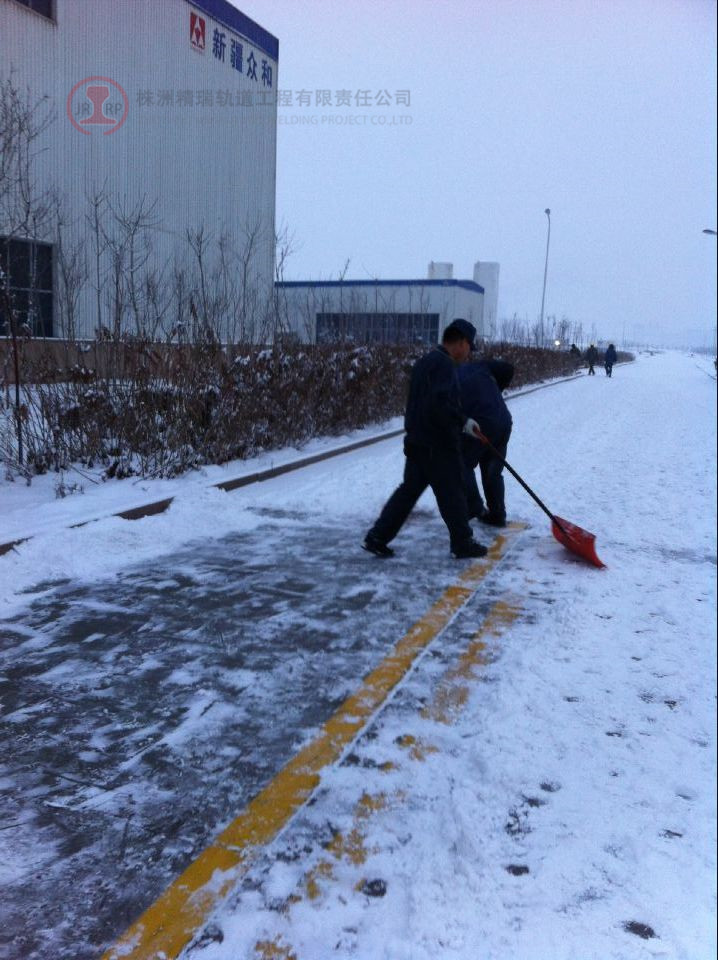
(591, 371)
(609, 369)
(441, 469)
(478, 454)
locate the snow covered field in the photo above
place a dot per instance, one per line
(545, 791)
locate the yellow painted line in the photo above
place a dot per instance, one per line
(449, 699)
(170, 923)
(453, 689)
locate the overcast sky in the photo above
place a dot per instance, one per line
(602, 110)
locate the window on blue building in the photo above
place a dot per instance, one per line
(415, 328)
(26, 283)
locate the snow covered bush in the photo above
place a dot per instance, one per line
(159, 409)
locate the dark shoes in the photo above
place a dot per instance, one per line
(491, 520)
(469, 550)
(376, 546)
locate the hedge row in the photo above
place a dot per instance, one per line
(158, 416)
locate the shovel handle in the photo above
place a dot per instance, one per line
(485, 440)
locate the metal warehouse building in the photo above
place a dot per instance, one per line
(388, 311)
(152, 188)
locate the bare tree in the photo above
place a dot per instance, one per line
(25, 213)
(72, 274)
(199, 243)
(577, 335)
(562, 330)
(249, 306)
(97, 203)
(128, 238)
(284, 246)
(342, 278)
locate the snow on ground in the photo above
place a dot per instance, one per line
(54, 501)
(564, 807)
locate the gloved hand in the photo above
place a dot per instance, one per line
(472, 428)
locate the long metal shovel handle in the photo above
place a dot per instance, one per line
(485, 440)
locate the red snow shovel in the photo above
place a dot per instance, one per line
(575, 539)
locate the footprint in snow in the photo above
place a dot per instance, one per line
(374, 888)
(639, 929)
(550, 786)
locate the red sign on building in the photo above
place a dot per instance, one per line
(196, 31)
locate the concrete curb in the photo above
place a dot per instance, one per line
(159, 506)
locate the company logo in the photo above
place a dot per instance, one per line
(197, 28)
(97, 103)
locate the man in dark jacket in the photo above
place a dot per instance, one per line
(591, 358)
(609, 359)
(434, 423)
(481, 387)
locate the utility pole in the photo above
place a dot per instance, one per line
(545, 271)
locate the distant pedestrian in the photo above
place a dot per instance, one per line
(434, 423)
(481, 387)
(591, 358)
(575, 352)
(609, 359)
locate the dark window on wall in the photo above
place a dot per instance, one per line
(27, 278)
(44, 7)
(420, 328)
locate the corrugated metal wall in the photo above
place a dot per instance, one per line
(198, 138)
(302, 301)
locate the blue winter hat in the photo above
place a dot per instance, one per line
(466, 329)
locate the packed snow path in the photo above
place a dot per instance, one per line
(564, 806)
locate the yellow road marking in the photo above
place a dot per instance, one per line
(172, 920)
(451, 695)
(270, 950)
(452, 692)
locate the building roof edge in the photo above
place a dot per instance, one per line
(231, 17)
(464, 284)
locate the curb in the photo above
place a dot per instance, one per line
(159, 506)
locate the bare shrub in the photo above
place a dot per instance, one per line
(135, 406)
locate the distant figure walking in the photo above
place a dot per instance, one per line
(610, 359)
(591, 358)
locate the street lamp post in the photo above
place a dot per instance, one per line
(545, 270)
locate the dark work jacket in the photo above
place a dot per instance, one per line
(480, 386)
(433, 412)
(610, 357)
